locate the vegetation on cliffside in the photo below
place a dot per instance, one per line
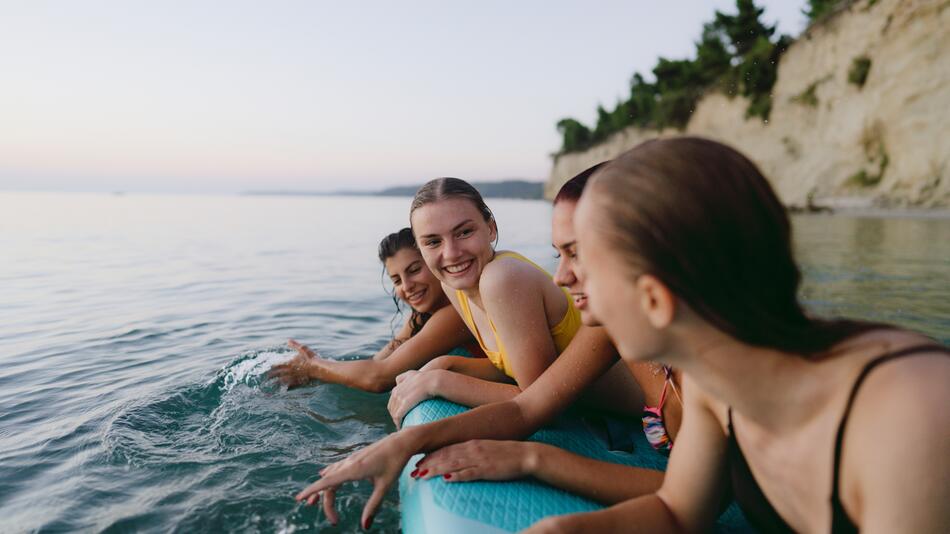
(737, 54)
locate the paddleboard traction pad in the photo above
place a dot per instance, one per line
(435, 506)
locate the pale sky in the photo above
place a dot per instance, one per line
(228, 96)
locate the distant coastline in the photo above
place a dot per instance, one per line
(520, 189)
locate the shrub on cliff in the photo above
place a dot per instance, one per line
(735, 55)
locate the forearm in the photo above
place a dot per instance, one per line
(470, 391)
(604, 482)
(368, 375)
(647, 514)
(500, 420)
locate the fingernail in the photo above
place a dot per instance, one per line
(447, 476)
(368, 523)
(423, 472)
(414, 473)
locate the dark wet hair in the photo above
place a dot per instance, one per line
(388, 247)
(572, 189)
(703, 219)
(445, 188)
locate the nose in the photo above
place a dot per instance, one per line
(450, 250)
(564, 275)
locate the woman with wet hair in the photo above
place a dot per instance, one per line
(587, 370)
(815, 425)
(432, 328)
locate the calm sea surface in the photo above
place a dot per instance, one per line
(134, 332)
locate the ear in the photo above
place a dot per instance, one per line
(493, 229)
(657, 302)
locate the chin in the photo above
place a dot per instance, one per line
(588, 319)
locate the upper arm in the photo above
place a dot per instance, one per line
(589, 355)
(514, 300)
(896, 476)
(443, 331)
(692, 488)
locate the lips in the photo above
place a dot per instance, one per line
(417, 297)
(458, 268)
(580, 300)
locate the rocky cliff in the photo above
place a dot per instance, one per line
(860, 114)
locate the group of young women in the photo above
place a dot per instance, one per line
(676, 258)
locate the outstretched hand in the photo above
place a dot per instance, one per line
(380, 463)
(296, 372)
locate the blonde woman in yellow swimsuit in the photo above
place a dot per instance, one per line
(521, 319)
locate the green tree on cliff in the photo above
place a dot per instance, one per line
(745, 28)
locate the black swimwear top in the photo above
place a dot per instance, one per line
(758, 510)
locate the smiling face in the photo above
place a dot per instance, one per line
(413, 282)
(455, 241)
(567, 274)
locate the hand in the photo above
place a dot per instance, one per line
(412, 387)
(295, 372)
(380, 462)
(481, 460)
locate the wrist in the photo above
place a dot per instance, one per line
(411, 439)
(532, 458)
(436, 379)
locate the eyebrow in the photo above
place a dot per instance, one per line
(456, 227)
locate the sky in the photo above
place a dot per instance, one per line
(228, 96)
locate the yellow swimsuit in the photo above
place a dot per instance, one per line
(562, 333)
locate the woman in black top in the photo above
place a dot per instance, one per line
(813, 425)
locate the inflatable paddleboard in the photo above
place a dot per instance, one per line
(435, 506)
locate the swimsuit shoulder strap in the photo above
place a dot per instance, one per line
(840, 520)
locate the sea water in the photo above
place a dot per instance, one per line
(135, 332)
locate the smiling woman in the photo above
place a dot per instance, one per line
(519, 317)
(432, 329)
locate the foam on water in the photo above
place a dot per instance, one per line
(250, 369)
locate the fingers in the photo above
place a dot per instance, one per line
(300, 348)
(369, 511)
(329, 506)
(404, 375)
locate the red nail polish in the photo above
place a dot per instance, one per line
(368, 523)
(447, 476)
(423, 472)
(414, 473)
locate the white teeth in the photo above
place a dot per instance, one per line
(453, 269)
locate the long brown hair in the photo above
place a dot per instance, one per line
(703, 219)
(388, 247)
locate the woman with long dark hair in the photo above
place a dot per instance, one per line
(431, 330)
(816, 425)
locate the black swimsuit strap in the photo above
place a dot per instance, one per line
(839, 439)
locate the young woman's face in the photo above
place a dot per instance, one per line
(455, 241)
(414, 282)
(564, 241)
(612, 297)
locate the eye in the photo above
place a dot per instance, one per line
(466, 232)
(429, 243)
(414, 269)
(557, 255)
(396, 281)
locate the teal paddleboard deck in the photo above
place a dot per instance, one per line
(435, 506)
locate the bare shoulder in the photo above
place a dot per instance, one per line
(916, 381)
(506, 274)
